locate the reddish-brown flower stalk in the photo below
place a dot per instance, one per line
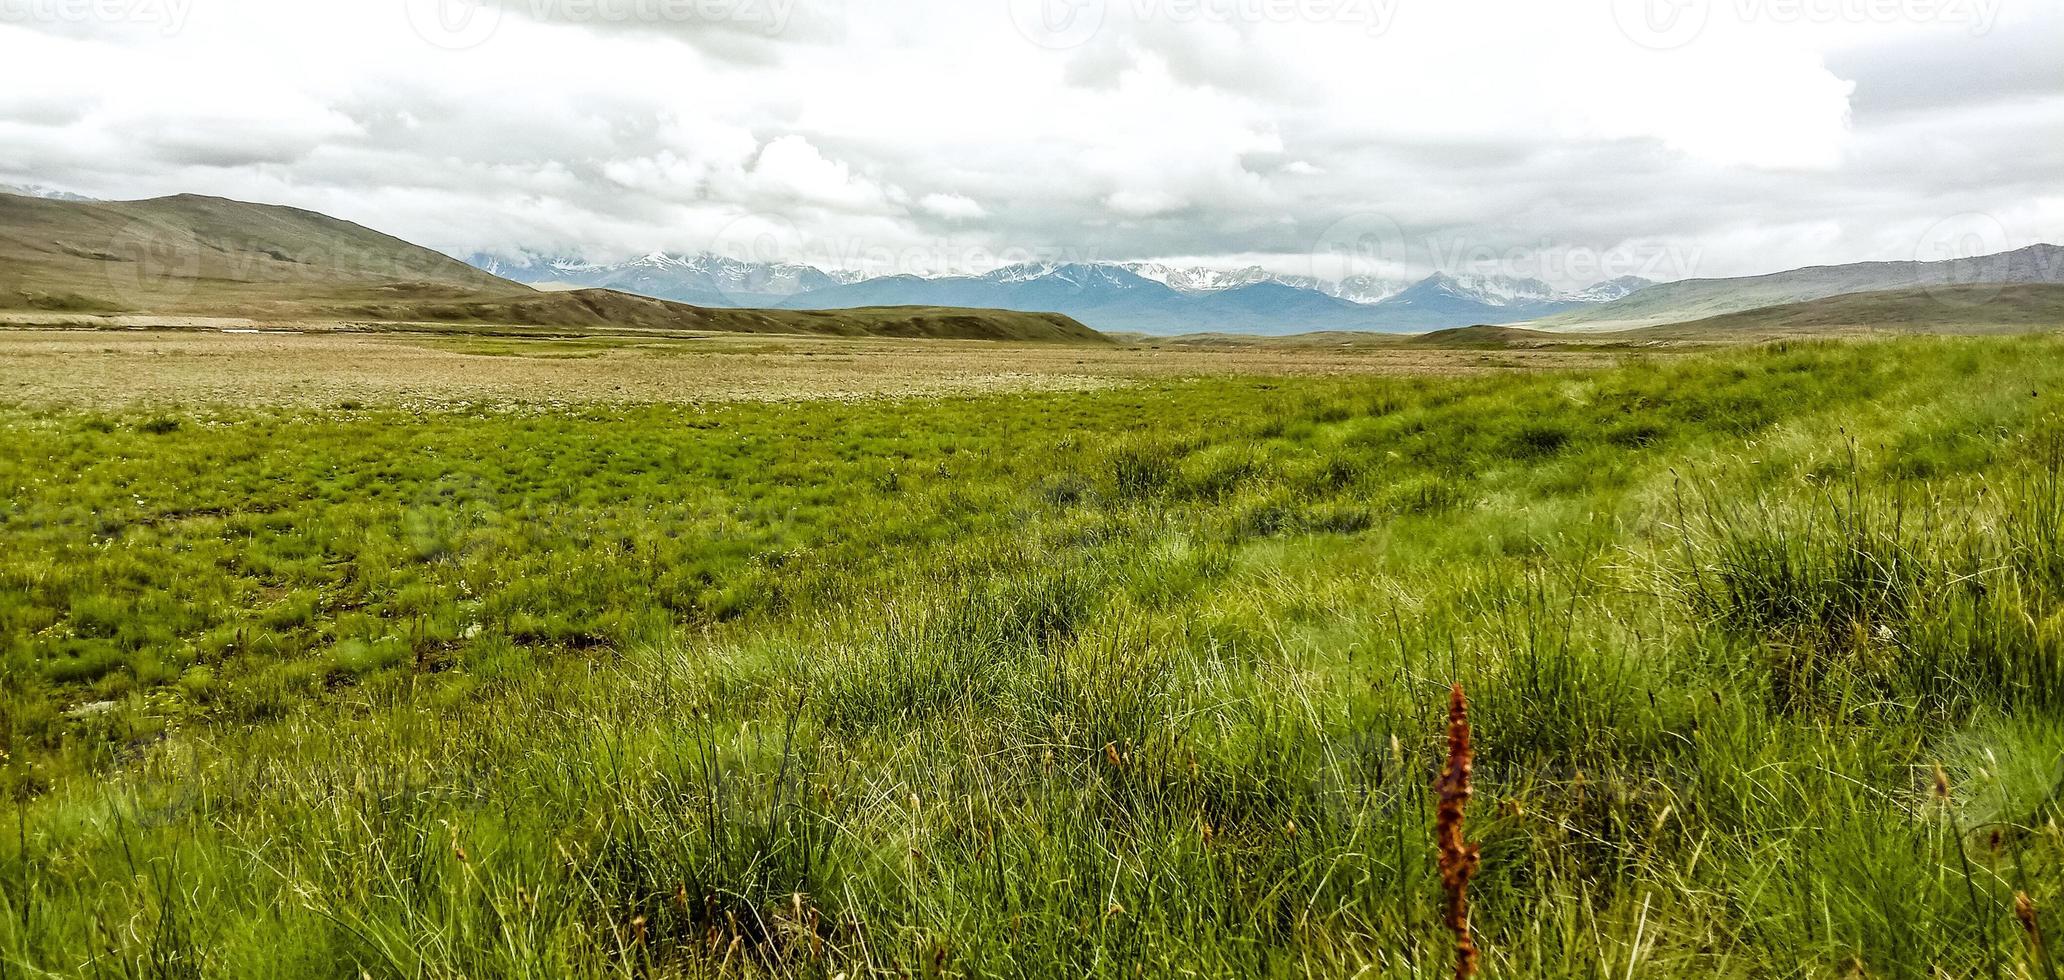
(2024, 909)
(1458, 858)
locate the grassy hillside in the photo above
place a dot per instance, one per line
(203, 256)
(1490, 338)
(611, 311)
(1982, 308)
(1480, 337)
(1973, 309)
(189, 253)
(1765, 654)
(1693, 299)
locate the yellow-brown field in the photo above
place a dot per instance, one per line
(137, 366)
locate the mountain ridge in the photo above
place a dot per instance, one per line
(1159, 298)
(703, 279)
(1695, 299)
(1145, 297)
(1976, 308)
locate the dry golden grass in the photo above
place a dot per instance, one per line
(127, 367)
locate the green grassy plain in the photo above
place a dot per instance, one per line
(1143, 681)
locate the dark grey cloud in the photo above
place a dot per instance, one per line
(2005, 64)
(747, 32)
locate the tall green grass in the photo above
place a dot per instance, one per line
(1145, 682)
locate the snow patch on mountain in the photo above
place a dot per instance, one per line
(1081, 275)
(700, 277)
(1203, 279)
(1493, 290)
(1508, 291)
(1366, 290)
(1196, 279)
(1611, 289)
(47, 193)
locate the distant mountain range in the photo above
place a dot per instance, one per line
(1157, 298)
(1191, 279)
(1698, 299)
(1142, 297)
(704, 280)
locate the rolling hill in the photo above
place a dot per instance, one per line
(1490, 338)
(1696, 299)
(201, 254)
(193, 256)
(1966, 309)
(1979, 308)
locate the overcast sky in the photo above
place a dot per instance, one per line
(1571, 141)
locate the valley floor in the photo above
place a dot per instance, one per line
(409, 656)
(321, 368)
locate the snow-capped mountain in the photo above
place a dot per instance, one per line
(1464, 300)
(1492, 290)
(1081, 274)
(1199, 279)
(535, 270)
(47, 193)
(704, 279)
(1508, 299)
(1611, 289)
(1193, 279)
(1362, 289)
(1157, 298)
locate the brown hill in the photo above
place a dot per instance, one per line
(1963, 309)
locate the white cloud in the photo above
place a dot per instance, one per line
(1500, 126)
(953, 207)
(791, 170)
(1143, 204)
